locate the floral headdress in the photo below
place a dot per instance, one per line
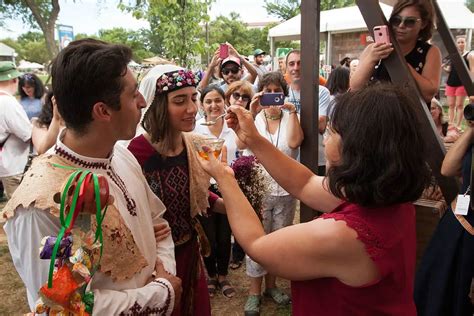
(174, 80)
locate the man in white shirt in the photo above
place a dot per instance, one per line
(15, 130)
(293, 67)
(97, 96)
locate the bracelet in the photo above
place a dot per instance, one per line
(292, 112)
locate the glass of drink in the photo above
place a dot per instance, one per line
(205, 146)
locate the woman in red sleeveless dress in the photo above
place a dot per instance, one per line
(359, 257)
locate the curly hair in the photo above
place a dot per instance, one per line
(427, 15)
(382, 156)
(274, 77)
(31, 80)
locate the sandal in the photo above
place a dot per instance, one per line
(234, 265)
(280, 297)
(212, 285)
(252, 306)
(227, 289)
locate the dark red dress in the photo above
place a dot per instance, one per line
(389, 237)
(168, 178)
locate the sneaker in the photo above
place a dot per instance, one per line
(280, 297)
(252, 306)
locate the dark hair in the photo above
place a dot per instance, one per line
(32, 80)
(293, 51)
(338, 80)
(274, 77)
(46, 115)
(382, 159)
(427, 15)
(88, 71)
(344, 61)
(155, 121)
(210, 89)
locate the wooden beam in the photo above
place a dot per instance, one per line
(310, 21)
(400, 75)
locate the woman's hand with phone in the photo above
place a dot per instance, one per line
(377, 51)
(255, 106)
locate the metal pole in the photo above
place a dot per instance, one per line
(310, 21)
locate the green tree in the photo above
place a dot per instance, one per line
(286, 9)
(233, 30)
(470, 5)
(33, 47)
(136, 40)
(40, 14)
(179, 22)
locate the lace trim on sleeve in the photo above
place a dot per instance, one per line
(373, 244)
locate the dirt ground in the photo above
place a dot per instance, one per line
(13, 294)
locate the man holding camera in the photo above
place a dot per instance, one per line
(443, 281)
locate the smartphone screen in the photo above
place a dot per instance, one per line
(223, 51)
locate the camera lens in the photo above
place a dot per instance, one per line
(469, 112)
(277, 99)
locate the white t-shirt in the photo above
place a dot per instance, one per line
(294, 97)
(15, 125)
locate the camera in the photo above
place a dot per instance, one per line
(469, 112)
(275, 99)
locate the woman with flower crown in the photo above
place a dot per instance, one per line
(170, 165)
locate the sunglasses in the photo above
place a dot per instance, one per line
(245, 97)
(227, 71)
(408, 21)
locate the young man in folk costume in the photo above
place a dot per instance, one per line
(98, 98)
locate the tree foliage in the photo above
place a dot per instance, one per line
(29, 46)
(39, 14)
(470, 5)
(286, 9)
(179, 23)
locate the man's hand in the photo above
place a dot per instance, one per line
(174, 280)
(162, 231)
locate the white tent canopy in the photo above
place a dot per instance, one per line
(349, 19)
(26, 65)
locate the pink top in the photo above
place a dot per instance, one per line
(389, 236)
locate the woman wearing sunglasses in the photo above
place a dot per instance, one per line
(239, 93)
(412, 25)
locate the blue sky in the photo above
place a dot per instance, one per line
(89, 16)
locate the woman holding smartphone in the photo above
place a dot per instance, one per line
(412, 24)
(280, 125)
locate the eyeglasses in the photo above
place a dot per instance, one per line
(408, 21)
(227, 71)
(245, 97)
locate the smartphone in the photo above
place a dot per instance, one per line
(381, 34)
(223, 51)
(272, 99)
